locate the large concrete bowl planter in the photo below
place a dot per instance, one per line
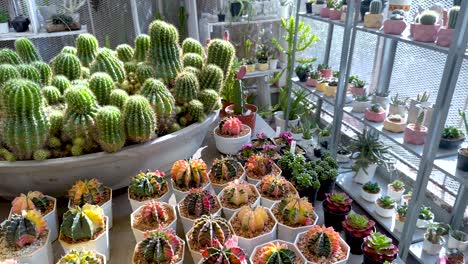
(344, 247)
(229, 211)
(299, 257)
(55, 176)
(106, 207)
(288, 233)
(182, 253)
(135, 204)
(42, 255)
(140, 234)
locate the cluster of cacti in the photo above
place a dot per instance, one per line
(159, 97)
(199, 202)
(80, 257)
(230, 126)
(161, 246)
(31, 201)
(82, 223)
(26, 50)
(148, 184)
(110, 129)
(142, 46)
(453, 16)
(190, 45)
(222, 54)
(86, 48)
(186, 87)
(275, 253)
(124, 52)
(252, 220)
(45, 72)
(139, 119)
(87, 192)
(322, 242)
(23, 229)
(258, 166)
(208, 229)
(27, 71)
(8, 56)
(8, 72)
(107, 62)
(295, 211)
(275, 187)
(375, 7)
(225, 169)
(61, 82)
(154, 214)
(192, 60)
(237, 193)
(188, 174)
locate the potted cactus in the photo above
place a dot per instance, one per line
(198, 202)
(445, 34)
(322, 85)
(85, 228)
(462, 159)
(381, 98)
(261, 140)
(294, 215)
(152, 216)
(451, 138)
(314, 77)
(274, 188)
(336, 207)
(277, 252)
(371, 192)
(396, 24)
(82, 257)
(416, 133)
(262, 57)
(426, 27)
(146, 186)
(374, 18)
(160, 246)
(331, 88)
(356, 228)
(250, 65)
(325, 70)
(415, 105)
(245, 153)
(385, 206)
(400, 217)
(237, 194)
(375, 113)
(25, 237)
(302, 71)
(258, 166)
(223, 171)
(358, 87)
(378, 248)
(91, 192)
(187, 174)
(206, 232)
(45, 204)
(395, 190)
(335, 12)
(361, 103)
(398, 105)
(433, 239)
(231, 134)
(318, 6)
(227, 253)
(425, 217)
(457, 239)
(395, 124)
(322, 244)
(270, 151)
(253, 226)
(240, 109)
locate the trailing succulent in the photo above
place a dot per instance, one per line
(237, 193)
(200, 202)
(208, 229)
(80, 257)
(31, 201)
(338, 202)
(225, 169)
(379, 248)
(188, 174)
(87, 192)
(295, 211)
(161, 246)
(21, 230)
(321, 242)
(275, 253)
(148, 185)
(82, 223)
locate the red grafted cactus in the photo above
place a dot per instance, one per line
(230, 126)
(200, 202)
(208, 230)
(154, 213)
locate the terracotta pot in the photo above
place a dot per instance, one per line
(334, 14)
(373, 20)
(415, 135)
(311, 82)
(444, 37)
(425, 33)
(394, 27)
(375, 117)
(245, 119)
(325, 12)
(326, 73)
(395, 127)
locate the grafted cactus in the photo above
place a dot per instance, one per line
(192, 60)
(23, 229)
(86, 48)
(81, 224)
(101, 84)
(211, 77)
(68, 65)
(230, 126)
(161, 246)
(258, 166)
(139, 119)
(107, 62)
(252, 220)
(275, 253)
(237, 193)
(142, 45)
(8, 72)
(322, 242)
(154, 214)
(52, 95)
(148, 184)
(186, 87)
(210, 100)
(80, 257)
(188, 174)
(159, 97)
(26, 50)
(190, 45)
(61, 82)
(31, 201)
(118, 98)
(207, 229)
(69, 49)
(275, 187)
(221, 53)
(44, 71)
(295, 211)
(110, 129)
(87, 192)
(199, 202)
(225, 170)
(8, 56)
(27, 71)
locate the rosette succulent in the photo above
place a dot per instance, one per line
(338, 202)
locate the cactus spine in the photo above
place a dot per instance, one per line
(453, 16)
(8, 56)
(375, 7)
(118, 98)
(143, 72)
(69, 49)
(207, 229)
(221, 53)
(124, 52)
(195, 110)
(159, 97)
(101, 84)
(26, 50)
(211, 77)
(139, 118)
(193, 60)
(199, 202)
(190, 45)
(110, 129)
(68, 65)
(186, 87)
(52, 95)
(61, 82)
(142, 45)
(8, 72)
(161, 246)
(86, 48)
(106, 61)
(44, 70)
(29, 72)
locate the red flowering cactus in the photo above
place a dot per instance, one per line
(358, 225)
(338, 202)
(379, 248)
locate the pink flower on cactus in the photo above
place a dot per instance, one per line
(285, 134)
(241, 73)
(261, 136)
(269, 150)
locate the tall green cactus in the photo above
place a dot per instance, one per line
(222, 54)
(85, 73)
(101, 84)
(190, 45)
(29, 72)
(107, 62)
(68, 65)
(142, 46)
(238, 97)
(375, 7)
(86, 48)
(118, 98)
(26, 50)
(110, 129)
(124, 52)
(186, 87)
(211, 77)
(164, 51)
(139, 119)
(210, 100)
(159, 97)
(69, 49)
(453, 16)
(8, 56)
(193, 60)
(61, 82)
(8, 72)
(52, 95)
(144, 71)
(44, 70)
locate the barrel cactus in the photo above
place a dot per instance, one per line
(161, 246)
(322, 242)
(118, 98)
(8, 56)
(193, 70)
(44, 71)
(56, 123)
(199, 202)
(229, 253)
(190, 45)
(8, 72)
(186, 87)
(188, 174)
(124, 52)
(375, 7)
(238, 193)
(147, 185)
(295, 211)
(155, 214)
(275, 253)
(69, 49)
(453, 16)
(29, 72)
(87, 192)
(41, 154)
(252, 220)
(107, 62)
(52, 95)
(211, 77)
(142, 46)
(7, 155)
(225, 170)
(428, 17)
(159, 97)
(210, 100)
(110, 129)
(61, 82)
(86, 48)
(101, 84)
(144, 71)
(30, 201)
(195, 110)
(26, 50)
(85, 73)
(23, 229)
(82, 224)
(208, 229)
(221, 53)
(68, 65)
(139, 119)
(192, 60)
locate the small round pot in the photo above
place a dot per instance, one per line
(308, 7)
(135, 204)
(311, 82)
(325, 187)
(362, 176)
(231, 146)
(263, 66)
(316, 9)
(425, 33)
(415, 135)
(246, 119)
(330, 91)
(273, 64)
(395, 195)
(325, 12)
(375, 117)
(394, 27)
(139, 234)
(334, 14)
(343, 158)
(280, 122)
(462, 161)
(444, 37)
(373, 20)
(451, 143)
(356, 91)
(326, 73)
(221, 17)
(370, 197)
(333, 219)
(302, 76)
(384, 212)
(432, 249)
(397, 110)
(250, 67)
(454, 243)
(395, 127)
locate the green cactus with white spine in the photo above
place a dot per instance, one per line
(144, 71)
(428, 17)
(193, 60)
(222, 54)
(110, 129)
(54, 143)
(101, 84)
(164, 51)
(8, 72)
(139, 119)
(27, 71)
(196, 111)
(375, 7)
(130, 67)
(193, 70)
(41, 154)
(124, 52)
(85, 73)
(7, 155)
(186, 87)
(86, 48)
(453, 16)
(118, 97)
(159, 97)
(52, 95)
(142, 46)
(190, 45)
(69, 49)
(210, 100)
(80, 82)
(68, 65)
(8, 56)
(211, 77)
(107, 62)
(26, 50)
(44, 70)
(56, 123)
(61, 82)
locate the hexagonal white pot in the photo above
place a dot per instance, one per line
(291, 247)
(164, 198)
(288, 233)
(180, 195)
(106, 207)
(187, 223)
(181, 261)
(218, 187)
(268, 203)
(342, 243)
(229, 212)
(42, 255)
(196, 255)
(394, 194)
(231, 145)
(100, 244)
(370, 197)
(99, 255)
(139, 234)
(383, 212)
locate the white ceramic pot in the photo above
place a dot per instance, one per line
(181, 261)
(139, 234)
(316, 8)
(399, 225)
(280, 122)
(383, 212)
(219, 187)
(305, 143)
(420, 223)
(180, 195)
(187, 223)
(453, 243)
(342, 243)
(432, 249)
(273, 64)
(394, 194)
(397, 110)
(291, 247)
(289, 234)
(229, 212)
(370, 197)
(343, 158)
(362, 176)
(383, 101)
(42, 255)
(231, 145)
(164, 198)
(100, 244)
(106, 207)
(285, 11)
(4, 28)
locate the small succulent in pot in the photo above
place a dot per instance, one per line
(314, 76)
(361, 103)
(81, 257)
(227, 253)
(271, 152)
(379, 248)
(425, 217)
(398, 105)
(358, 86)
(294, 211)
(374, 18)
(199, 202)
(160, 246)
(326, 70)
(148, 185)
(445, 34)
(395, 124)
(400, 217)
(396, 189)
(357, 227)
(385, 206)
(225, 170)
(275, 253)
(22, 230)
(261, 140)
(396, 24)
(427, 28)
(433, 238)
(258, 166)
(416, 133)
(32, 201)
(88, 192)
(188, 174)
(302, 71)
(322, 245)
(207, 230)
(153, 215)
(336, 206)
(231, 134)
(452, 137)
(376, 113)
(371, 191)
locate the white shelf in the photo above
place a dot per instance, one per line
(243, 22)
(30, 35)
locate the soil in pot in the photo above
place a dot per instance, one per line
(333, 219)
(140, 223)
(325, 187)
(7, 253)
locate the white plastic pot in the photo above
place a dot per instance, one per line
(383, 212)
(343, 158)
(100, 244)
(135, 204)
(229, 212)
(342, 243)
(453, 243)
(4, 28)
(289, 234)
(281, 122)
(360, 107)
(370, 197)
(399, 225)
(291, 246)
(187, 223)
(363, 177)
(268, 203)
(218, 187)
(182, 254)
(432, 249)
(180, 195)
(394, 194)
(42, 255)
(139, 234)
(231, 145)
(106, 207)
(420, 223)
(196, 255)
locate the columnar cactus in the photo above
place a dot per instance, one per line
(31, 201)
(80, 257)
(230, 126)
(192, 60)
(159, 97)
(27, 71)
(87, 192)
(148, 185)
(86, 48)
(26, 50)
(252, 220)
(155, 214)
(164, 51)
(190, 45)
(8, 56)
(69, 49)
(221, 53)
(118, 98)
(208, 229)
(139, 119)
(52, 95)
(237, 193)
(82, 224)
(8, 72)
(189, 174)
(107, 62)
(199, 202)
(44, 70)
(210, 100)
(322, 242)
(195, 110)
(225, 169)
(296, 211)
(144, 71)
(25, 127)
(453, 16)
(101, 84)
(61, 82)
(142, 45)
(275, 253)
(110, 129)
(161, 246)
(186, 87)
(375, 7)
(68, 65)
(23, 229)
(428, 17)
(124, 52)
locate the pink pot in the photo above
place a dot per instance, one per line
(357, 91)
(325, 12)
(444, 37)
(411, 29)
(425, 33)
(394, 27)
(334, 14)
(415, 135)
(311, 82)
(375, 117)
(326, 73)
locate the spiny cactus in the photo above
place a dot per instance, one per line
(155, 214)
(23, 229)
(101, 84)
(190, 45)
(230, 126)
(26, 50)
(453, 16)
(148, 185)
(258, 166)
(52, 95)
(221, 53)
(225, 170)
(295, 211)
(195, 110)
(85, 73)
(144, 71)
(107, 62)
(118, 98)
(210, 100)
(237, 193)
(44, 71)
(229, 253)
(275, 253)
(8, 72)
(61, 82)
(80, 257)
(193, 70)
(31, 201)
(124, 52)
(68, 65)
(56, 123)
(211, 77)
(142, 45)
(189, 174)
(192, 60)
(199, 202)
(110, 129)
(27, 71)
(130, 67)
(375, 7)
(322, 242)
(275, 187)
(41, 154)
(208, 229)
(186, 87)
(86, 48)
(161, 246)
(252, 220)
(428, 17)
(81, 224)
(164, 51)
(139, 119)
(159, 97)
(69, 49)
(87, 192)
(8, 56)
(7, 155)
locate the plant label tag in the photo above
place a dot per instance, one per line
(278, 131)
(248, 112)
(293, 147)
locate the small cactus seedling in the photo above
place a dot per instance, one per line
(29, 72)
(159, 97)
(21, 230)
(118, 98)
(319, 243)
(225, 170)
(199, 202)
(88, 192)
(274, 253)
(251, 222)
(188, 174)
(230, 126)
(258, 166)
(144, 71)
(8, 72)
(44, 70)
(68, 65)
(338, 202)
(107, 62)
(229, 253)
(161, 246)
(275, 187)
(186, 87)
(238, 193)
(80, 257)
(82, 224)
(31, 201)
(101, 84)
(52, 95)
(61, 82)
(110, 129)
(207, 229)
(147, 185)
(294, 211)
(192, 60)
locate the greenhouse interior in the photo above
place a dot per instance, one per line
(233, 131)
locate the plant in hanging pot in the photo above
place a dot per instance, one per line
(294, 215)
(325, 70)
(374, 18)
(433, 239)
(361, 103)
(336, 207)
(228, 252)
(400, 217)
(302, 71)
(331, 88)
(385, 206)
(25, 237)
(327, 172)
(82, 257)
(445, 34)
(378, 248)
(160, 246)
(187, 174)
(237, 194)
(396, 24)
(231, 134)
(318, 6)
(452, 137)
(395, 190)
(262, 57)
(462, 159)
(4, 17)
(395, 124)
(152, 216)
(258, 166)
(358, 87)
(398, 105)
(223, 171)
(375, 113)
(416, 133)
(277, 252)
(457, 239)
(274, 188)
(356, 228)
(146, 186)
(425, 217)
(314, 77)
(381, 98)
(371, 191)
(197, 203)
(427, 28)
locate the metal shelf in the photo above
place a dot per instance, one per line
(322, 19)
(31, 35)
(448, 165)
(243, 22)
